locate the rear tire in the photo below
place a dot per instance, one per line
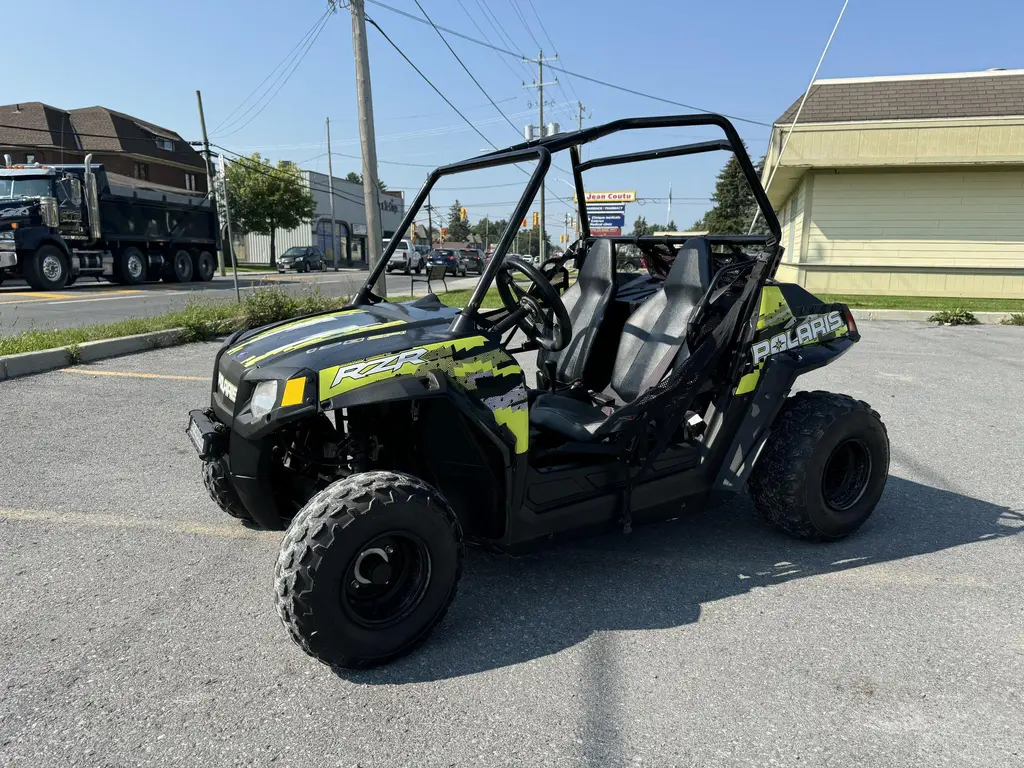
(368, 568)
(824, 467)
(130, 267)
(47, 270)
(219, 486)
(204, 267)
(180, 268)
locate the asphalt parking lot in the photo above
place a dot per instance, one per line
(137, 624)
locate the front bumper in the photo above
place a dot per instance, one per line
(247, 463)
(7, 258)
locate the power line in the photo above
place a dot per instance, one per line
(483, 34)
(357, 157)
(287, 77)
(519, 14)
(506, 39)
(287, 56)
(569, 72)
(553, 48)
(463, 65)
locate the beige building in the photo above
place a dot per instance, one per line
(908, 185)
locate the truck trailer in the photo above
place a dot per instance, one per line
(62, 222)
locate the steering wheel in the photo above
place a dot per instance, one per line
(554, 272)
(546, 319)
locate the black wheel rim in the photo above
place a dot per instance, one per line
(846, 474)
(386, 580)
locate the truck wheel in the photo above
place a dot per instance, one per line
(130, 267)
(180, 268)
(368, 568)
(824, 467)
(219, 486)
(204, 267)
(47, 269)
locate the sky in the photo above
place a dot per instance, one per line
(746, 58)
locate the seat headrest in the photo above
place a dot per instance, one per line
(691, 270)
(599, 262)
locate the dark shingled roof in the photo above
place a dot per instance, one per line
(91, 129)
(991, 94)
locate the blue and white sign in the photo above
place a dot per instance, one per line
(603, 221)
(606, 208)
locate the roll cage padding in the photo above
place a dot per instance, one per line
(655, 333)
(586, 302)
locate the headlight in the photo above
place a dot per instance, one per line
(263, 399)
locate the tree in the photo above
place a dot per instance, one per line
(458, 229)
(641, 227)
(357, 178)
(489, 231)
(529, 241)
(734, 204)
(264, 198)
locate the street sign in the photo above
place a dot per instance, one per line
(607, 220)
(606, 232)
(618, 196)
(358, 229)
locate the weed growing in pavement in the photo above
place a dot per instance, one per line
(74, 354)
(1015, 318)
(958, 316)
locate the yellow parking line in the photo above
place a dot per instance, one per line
(119, 521)
(133, 375)
(34, 297)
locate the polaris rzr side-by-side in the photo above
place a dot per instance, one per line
(387, 436)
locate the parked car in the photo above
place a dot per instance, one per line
(449, 258)
(405, 258)
(474, 260)
(303, 259)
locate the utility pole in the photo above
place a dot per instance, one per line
(330, 189)
(581, 108)
(364, 99)
(209, 179)
(539, 85)
(430, 224)
(227, 220)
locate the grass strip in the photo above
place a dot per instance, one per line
(926, 303)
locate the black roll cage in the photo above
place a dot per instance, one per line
(541, 150)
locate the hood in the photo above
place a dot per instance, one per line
(21, 211)
(331, 338)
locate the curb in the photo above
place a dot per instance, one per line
(919, 315)
(29, 363)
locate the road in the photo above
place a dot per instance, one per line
(137, 624)
(91, 301)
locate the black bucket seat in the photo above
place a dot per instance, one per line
(653, 341)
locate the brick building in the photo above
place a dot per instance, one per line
(34, 132)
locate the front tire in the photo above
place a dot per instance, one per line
(368, 568)
(47, 269)
(223, 493)
(824, 467)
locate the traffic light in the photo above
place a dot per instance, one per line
(462, 213)
(444, 232)
(524, 223)
(536, 219)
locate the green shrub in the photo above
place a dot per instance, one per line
(267, 305)
(314, 301)
(1015, 318)
(958, 316)
(202, 321)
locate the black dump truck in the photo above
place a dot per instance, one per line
(62, 222)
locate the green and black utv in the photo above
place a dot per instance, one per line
(387, 436)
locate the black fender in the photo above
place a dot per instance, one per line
(33, 238)
(764, 403)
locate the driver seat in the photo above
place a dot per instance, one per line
(653, 341)
(586, 301)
